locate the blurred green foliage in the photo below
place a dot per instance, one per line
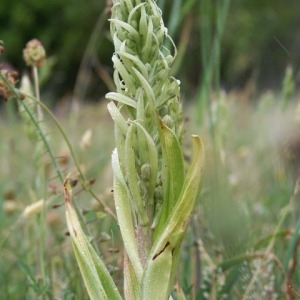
(261, 36)
(64, 28)
(260, 39)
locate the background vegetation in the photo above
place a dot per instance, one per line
(246, 225)
(259, 40)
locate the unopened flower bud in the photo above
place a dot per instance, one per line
(168, 121)
(146, 172)
(34, 53)
(158, 194)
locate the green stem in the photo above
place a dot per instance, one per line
(37, 93)
(211, 52)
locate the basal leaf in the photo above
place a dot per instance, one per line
(97, 279)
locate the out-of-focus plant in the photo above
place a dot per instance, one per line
(211, 32)
(18, 26)
(288, 87)
(36, 131)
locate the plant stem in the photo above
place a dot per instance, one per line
(37, 92)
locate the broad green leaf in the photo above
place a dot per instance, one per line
(98, 282)
(173, 173)
(171, 235)
(157, 275)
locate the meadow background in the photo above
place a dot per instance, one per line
(238, 63)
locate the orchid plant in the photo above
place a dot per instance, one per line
(154, 194)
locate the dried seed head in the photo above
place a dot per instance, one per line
(34, 53)
(6, 90)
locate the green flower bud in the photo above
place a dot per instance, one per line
(146, 172)
(158, 194)
(168, 121)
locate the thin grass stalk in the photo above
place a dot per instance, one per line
(40, 116)
(210, 50)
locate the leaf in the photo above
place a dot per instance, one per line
(292, 245)
(173, 173)
(170, 238)
(98, 282)
(132, 288)
(157, 275)
(123, 211)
